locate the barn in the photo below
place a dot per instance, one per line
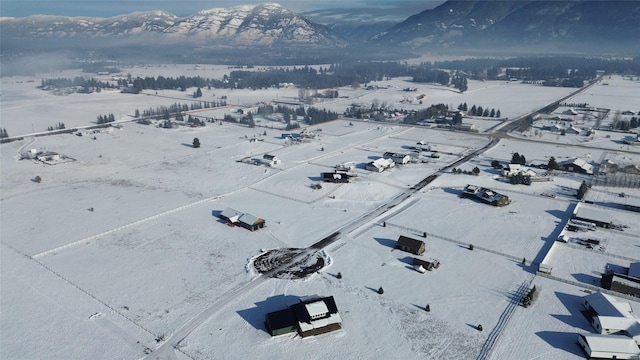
(281, 322)
(599, 217)
(416, 247)
(600, 346)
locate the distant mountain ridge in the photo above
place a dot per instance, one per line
(266, 24)
(462, 23)
(599, 26)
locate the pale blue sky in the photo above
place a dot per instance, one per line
(400, 9)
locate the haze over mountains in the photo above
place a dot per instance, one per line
(582, 26)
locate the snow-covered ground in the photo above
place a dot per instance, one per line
(112, 254)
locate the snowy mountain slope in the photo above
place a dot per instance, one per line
(265, 24)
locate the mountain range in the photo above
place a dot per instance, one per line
(602, 26)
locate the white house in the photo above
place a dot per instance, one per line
(401, 159)
(380, 165)
(609, 346)
(270, 160)
(515, 169)
(572, 130)
(606, 314)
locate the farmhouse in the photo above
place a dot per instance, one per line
(608, 346)
(270, 160)
(316, 315)
(410, 245)
(515, 169)
(598, 217)
(311, 316)
(247, 221)
(485, 195)
(606, 314)
(380, 165)
(401, 159)
(577, 165)
(336, 177)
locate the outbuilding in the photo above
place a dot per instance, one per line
(380, 165)
(577, 165)
(416, 247)
(600, 346)
(428, 264)
(245, 220)
(281, 322)
(336, 177)
(596, 216)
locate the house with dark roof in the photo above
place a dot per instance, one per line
(621, 283)
(336, 177)
(416, 247)
(245, 220)
(485, 195)
(577, 165)
(281, 322)
(313, 315)
(428, 264)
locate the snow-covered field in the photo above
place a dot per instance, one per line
(116, 252)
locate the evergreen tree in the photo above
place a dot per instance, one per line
(486, 112)
(582, 190)
(492, 113)
(498, 113)
(196, 143)
(427, 308)
(380, 290)
(137, 113)
(457, 118)
(479, 111)
(473, 110)
(515, 159)
(3, 133)
(552, 164)
(475, 171)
